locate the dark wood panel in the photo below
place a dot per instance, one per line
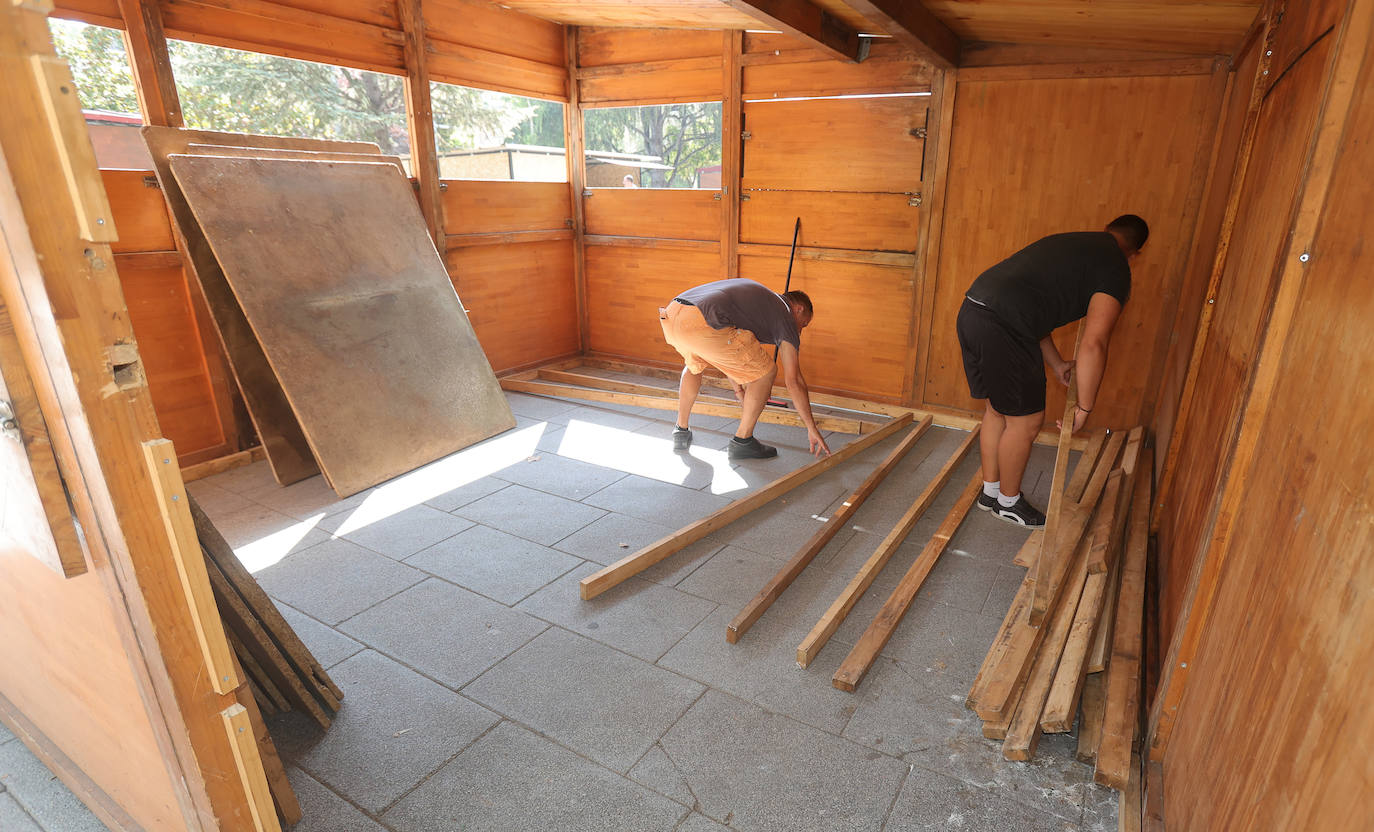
(860, 144)
(874, 222)
(479, 207)
(681, 214)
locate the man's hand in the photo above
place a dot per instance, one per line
(1063, 371)
(818, 446)
(1080, 418)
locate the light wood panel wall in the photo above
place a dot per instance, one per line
(1041, 155)
(1273, 727)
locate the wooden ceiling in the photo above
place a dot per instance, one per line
(1178, 26)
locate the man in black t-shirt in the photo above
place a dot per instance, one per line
(1004, 329)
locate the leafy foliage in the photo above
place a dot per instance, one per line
(100, 66)
(684, 136)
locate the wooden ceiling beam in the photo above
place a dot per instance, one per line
(809, 22)
(915, 26)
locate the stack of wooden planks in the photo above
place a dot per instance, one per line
(1082, 657)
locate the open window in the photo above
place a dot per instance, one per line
(105, 82)
(480, 134)
(653, 146)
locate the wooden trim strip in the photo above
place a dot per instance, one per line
(838, 255)
(644, 67)
(160, 457)
(940, 120)
(833, 617)
(1054, 516)
(626, 568)
(1090, 725)
(243, 740)
(577, 183)
(652, 242)
(146, 44)
(201, 470)
(1086, 461)
(871, 643)
(779, 583)
(1122, 69)
(732, 151)
(148, 260)
(503, 238)
(810, 22)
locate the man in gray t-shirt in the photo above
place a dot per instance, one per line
(725, 324)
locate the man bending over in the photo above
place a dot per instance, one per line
(726, 324)
(1004, 330)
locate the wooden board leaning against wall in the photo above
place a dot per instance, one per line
(851, 169)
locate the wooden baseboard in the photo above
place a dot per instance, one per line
(209, 468)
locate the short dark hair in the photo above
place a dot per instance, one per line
(801, 299)
(1132, 229)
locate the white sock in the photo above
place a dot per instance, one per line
(992, 489)
(1007, 502)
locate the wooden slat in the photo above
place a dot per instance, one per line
(914, 26)
(731, 150)
(779, 583)
(1101, 651)
(626, 568)
(831, 255)
(871, 643)
(146, 45)
(679, 86)
(1045, 562)
(480, 207)
(1084, 466)
(675, 213)
(424, 154)
(711, 246)
(575, 141)
(201, 470)
(1023, 733)
(1067, 687)
(243, 741)
(598, 46)
(1090, 720)
(176, 518)
(1076, 521)
(1105, 522)
(487, 25)
(833, 617)
(807, 21)
(505, 238)
(76, 157)
(283, 795)
(1123, 676)
(791, 74)
(830, 220)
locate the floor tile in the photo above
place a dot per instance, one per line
(931, 801)
(513, 779)
(324, 811)
(538, 407)
(697, 822)
(41, 795)
(445, 632)
(464, 494)
(326, 644)
(336, 579)
(13, 818)
(773, 531)
(732, 576)
(641, 618)
(307, 499)
(655, 771)
(395, 728)
(959, 580)
(757, 770)
(648, 452)
(657, 502)
(397, 535)
(214, 500)
(493, 563)
(558, 683)
(261, 536)
(945, 642)
(530, 514)
(604, 417)
(247, 479)
(612, 537)
(559, 475)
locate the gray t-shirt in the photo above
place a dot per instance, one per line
(748, 305)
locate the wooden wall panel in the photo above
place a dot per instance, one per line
(680, 214)
(857, 341)
(860, 144)
(476, 207)
(598, 46)
(679, 86)
(1275, 729)
(487, 26)
(1036, 157)
(169, 343)
(832, 77)
(625, 288)
(872, 222)
(1244, 299)
(140, 212)
(520, 299)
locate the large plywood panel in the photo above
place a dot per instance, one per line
(329, 261)
(859, 144)
(520, 298)
(625, 288)
(872, 222)
(643, 212)
(857, 342)
(477, 207)
(1243, 302)
(608, 47)
(1076, 154)
(1275, 729)
(139, 211)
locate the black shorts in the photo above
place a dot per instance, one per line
(1002, 366)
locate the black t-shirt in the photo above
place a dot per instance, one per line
(1048, 283)
(747, 305)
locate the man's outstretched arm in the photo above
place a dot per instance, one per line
(1091, 361)
(801, 398)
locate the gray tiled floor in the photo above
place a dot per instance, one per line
(481, 692)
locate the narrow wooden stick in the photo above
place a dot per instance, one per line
(871, 643)
(774, 589)
(631, 565)
(863, 579)
(1045, 564)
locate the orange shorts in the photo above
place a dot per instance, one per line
(733, 351)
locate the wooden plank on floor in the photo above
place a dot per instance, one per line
(1023, 734)
(871, 643)
(833, 617)
(1030, 550)
(1062, 703)
(1076, 520)
(1045, 562)
(1123, 676)
(1090, 718)
(209, 468)
(1130, 808)
(1110, 516)
(1086, 461)
(627, 567)
(1101, 651)
(779, 583)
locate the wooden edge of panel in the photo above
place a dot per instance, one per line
(243, 740)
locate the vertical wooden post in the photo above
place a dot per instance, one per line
(731, 152)
(939, 132)
(147, 47)
(577, 183)
(424, 153)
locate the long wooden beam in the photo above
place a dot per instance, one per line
(424, 152)
(573, 140)
(1054, 513)
(627, 567)
(863, 579)
(876, 637)
(146, 44)
(914, 26)
(779, 583)
(811, 23)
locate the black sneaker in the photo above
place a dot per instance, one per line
(682, 439)
(751, 448)
(1022, 514)
(986, 503)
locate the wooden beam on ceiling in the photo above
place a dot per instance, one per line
(915, 26)
(809, 22)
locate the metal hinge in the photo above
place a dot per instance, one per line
(746, 135)
(914, 200)
(918, 132)
(150, 182)
(587, 194)
(8, 426)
